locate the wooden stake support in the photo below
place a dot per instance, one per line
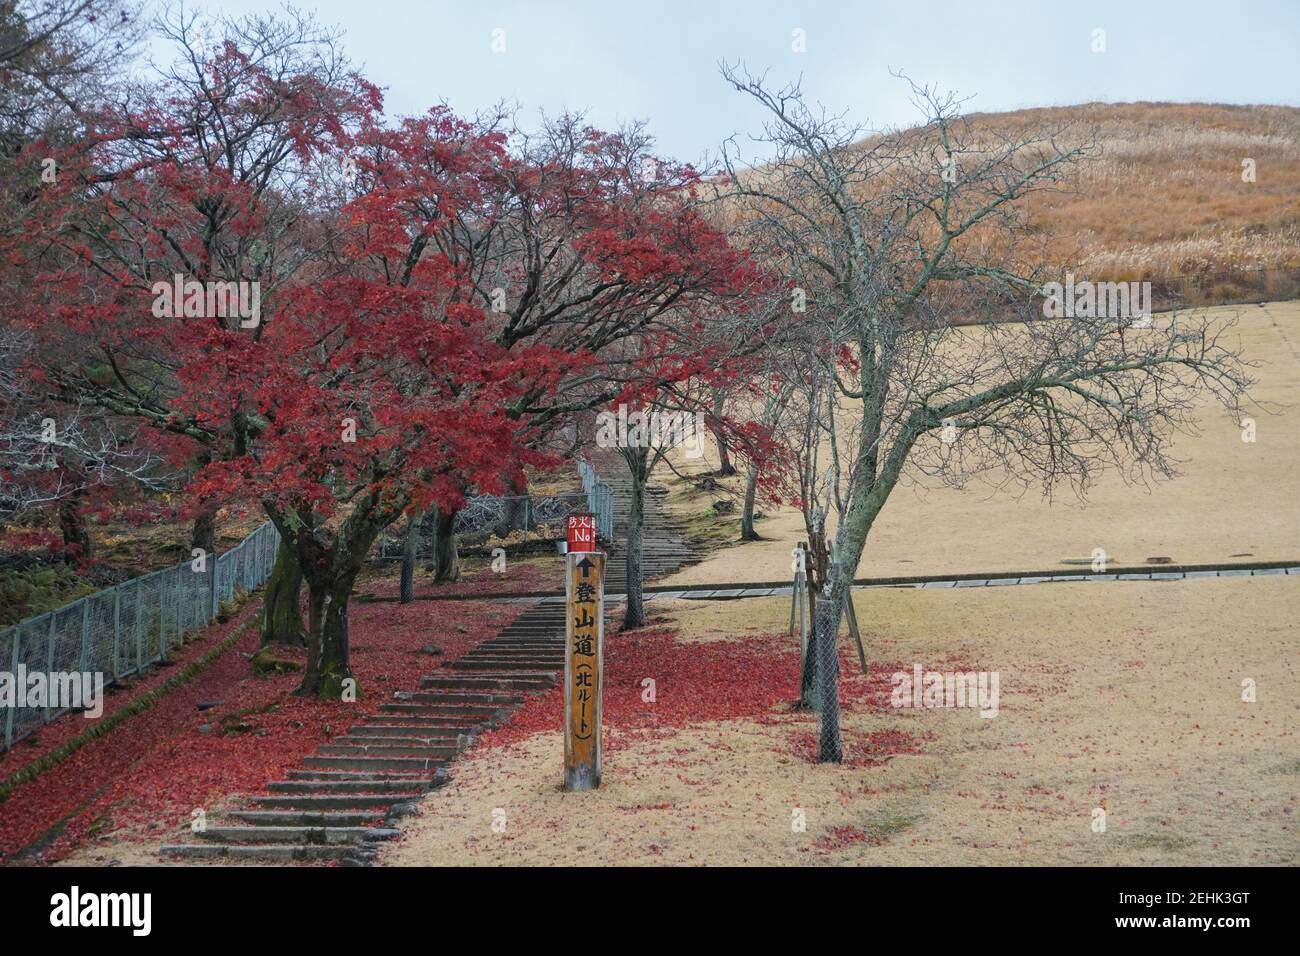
(802, 598)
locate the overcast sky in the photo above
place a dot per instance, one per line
(657, 59)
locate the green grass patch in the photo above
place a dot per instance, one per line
(882, 826)
(38, 589)
(1153, 841)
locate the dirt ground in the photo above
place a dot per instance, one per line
(1123, 696)
(1235, 501)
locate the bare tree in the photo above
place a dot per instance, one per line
(911, 249)
(60, 57)
(52, 456)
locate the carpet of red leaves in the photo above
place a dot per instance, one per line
(756, 678)
(534, 575)
(149, 772)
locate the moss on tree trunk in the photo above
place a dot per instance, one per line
(281, 616)
(329, 666)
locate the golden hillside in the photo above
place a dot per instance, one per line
(1164, 200)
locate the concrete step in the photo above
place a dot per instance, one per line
(425, 726)
(324, 802)
(404, 787)
(296, 835)
(546, 659)
(461, 711)
(547, 654)
(354, 775)
(375, 763)
(469, 697)
(402, 730)
(498, 665)
(538, 645)
(266, 852)
(308, 818)
(548, 649)
(389, 749)
(513, 682)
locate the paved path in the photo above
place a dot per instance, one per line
(742, 589)
(706, 592)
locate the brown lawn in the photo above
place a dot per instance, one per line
(1126, 695)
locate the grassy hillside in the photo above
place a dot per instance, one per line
(1164, 199)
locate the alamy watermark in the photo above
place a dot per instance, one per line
(58, 690)
(208, 300)
(654, 429)
(933, 689)
(75, 908)
(1098, 300)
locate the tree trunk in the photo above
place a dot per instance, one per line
(204, 532)
(635, 614)
(825, 631)
(72, 523)
(410, 543)
(725, 468)
(447, 561)
(747, 532)
(328, 659)
(281, 616)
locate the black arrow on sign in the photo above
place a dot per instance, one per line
(586, 566)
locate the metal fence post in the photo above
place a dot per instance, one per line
(117, 626)
(9, 718)
(212, 588)
(85, 632)
(182, 606)
(139, 628)
(178, 588)
(50, 657)
(162, 617)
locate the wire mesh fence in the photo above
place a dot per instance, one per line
(600, 500)
(122, 630)
(505, 518)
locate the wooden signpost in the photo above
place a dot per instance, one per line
(584, 654)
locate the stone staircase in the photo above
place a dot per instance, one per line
(663, 547)
(350, 796)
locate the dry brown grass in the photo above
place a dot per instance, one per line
(1125, 692)
(1234, 501)
(1161, 199)
(1165, 195)
(1165, 198)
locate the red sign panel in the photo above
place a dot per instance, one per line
(582, 533)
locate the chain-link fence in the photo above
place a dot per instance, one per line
(488, 518)
(600, 500)
(530, 517)
(124, 629)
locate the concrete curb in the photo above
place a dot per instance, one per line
(1148, 572)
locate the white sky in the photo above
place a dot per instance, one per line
(657, 60)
